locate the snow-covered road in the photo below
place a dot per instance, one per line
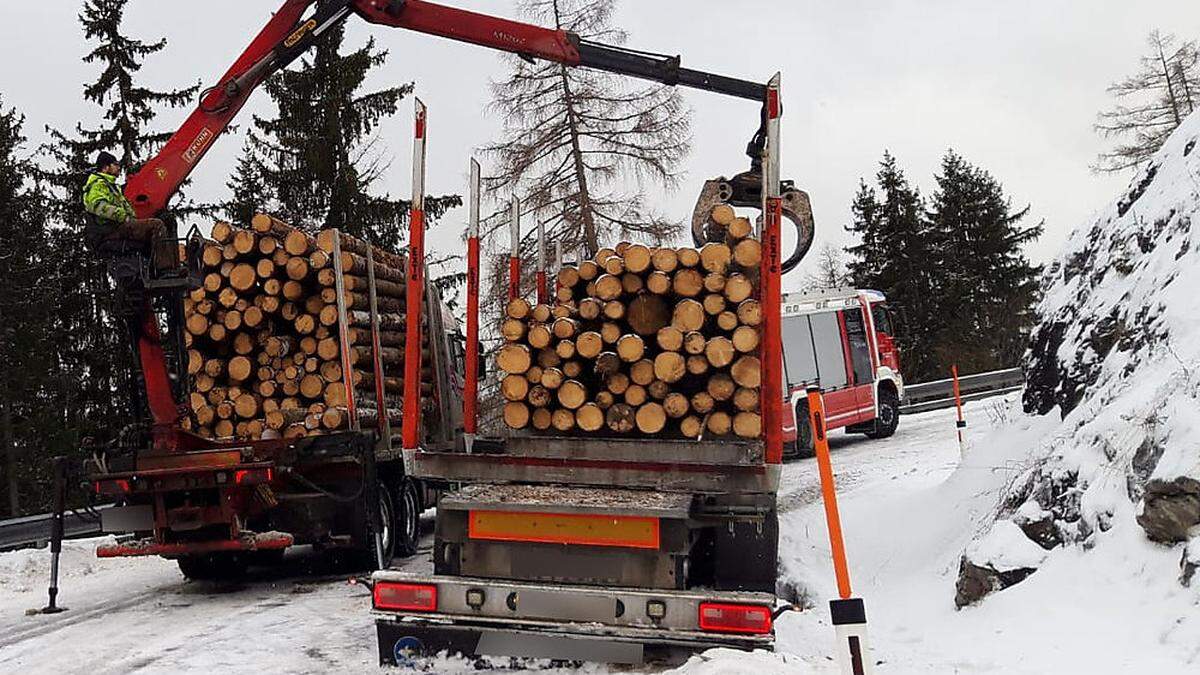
(142, 616)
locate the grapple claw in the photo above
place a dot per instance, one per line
(745, 190)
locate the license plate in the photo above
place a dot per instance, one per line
(497, 643)
(120, 519)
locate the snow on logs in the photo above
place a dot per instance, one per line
(262, 333)
(642, 341)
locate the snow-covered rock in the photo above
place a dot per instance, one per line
(1003, 557)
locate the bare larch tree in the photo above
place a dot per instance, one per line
(581, 146)
(828, 271)
(1152, 103)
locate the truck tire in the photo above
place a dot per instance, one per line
(408, 518)
(212, 566)
(388, 517)
(889, 415)
(802, 447)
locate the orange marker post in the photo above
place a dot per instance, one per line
(849, 613)
(961, 423)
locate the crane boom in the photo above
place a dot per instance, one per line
(291, 32)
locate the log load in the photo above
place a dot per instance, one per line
(642, 341)
(264, 353)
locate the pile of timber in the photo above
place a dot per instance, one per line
(262, 334)
(645, 341)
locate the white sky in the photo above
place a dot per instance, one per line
(1013, 86)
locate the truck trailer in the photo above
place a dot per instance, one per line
(601, 546)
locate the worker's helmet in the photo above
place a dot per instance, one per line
(105, 159)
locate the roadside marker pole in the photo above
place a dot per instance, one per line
(961, 423)
(543, 292)
(849, 613)
(416, 288)
(514, 256)
(471, 367)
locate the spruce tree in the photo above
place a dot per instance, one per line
(317, 162)
(94, 359)
(249, 192)
(129, 107)
(897, 255)
(25, 311)
(988, 285)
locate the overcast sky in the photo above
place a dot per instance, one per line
(1013, 86)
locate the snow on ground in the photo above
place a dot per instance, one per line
(909, 508)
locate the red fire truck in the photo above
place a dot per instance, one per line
(842, 341)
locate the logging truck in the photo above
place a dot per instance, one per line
(292, 374)
(842, 341)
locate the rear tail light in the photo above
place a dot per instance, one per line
(112, 487)
(410, 597)
(726, 618)
(252, 476)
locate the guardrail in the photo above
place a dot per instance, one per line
(34, 531)
(939, 394)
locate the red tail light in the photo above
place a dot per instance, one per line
(252, 476)
(411, 597)
(725, 618)
(110, 487)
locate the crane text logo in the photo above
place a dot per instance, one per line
(197, 147)
(300, 32)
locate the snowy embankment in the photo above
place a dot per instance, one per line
(1069, 534)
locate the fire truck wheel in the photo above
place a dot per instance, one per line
(889, 415)
(408, 518)
(212, 566)
(802, 447)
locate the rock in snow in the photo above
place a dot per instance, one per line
(1116, 355)
(1003, 557)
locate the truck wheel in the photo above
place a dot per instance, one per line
(889, 415)
(212, 566)
(408, 518)
(802, 447)
(387, 517)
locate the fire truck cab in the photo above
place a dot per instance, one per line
(842, 341)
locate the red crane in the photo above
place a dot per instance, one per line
(292, 30)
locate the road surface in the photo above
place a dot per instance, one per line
(141, 616)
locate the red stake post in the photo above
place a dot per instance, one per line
(514, 256)
(543, 291)
(471, 374)
(416, 288)
(771, 271)
(849, 613)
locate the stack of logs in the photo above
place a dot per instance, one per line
(643, 340)
(262, 333)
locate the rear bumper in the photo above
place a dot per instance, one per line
(557, 621)
(263, 541)
(401, 640)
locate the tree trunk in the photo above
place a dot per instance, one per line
(10, 460)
